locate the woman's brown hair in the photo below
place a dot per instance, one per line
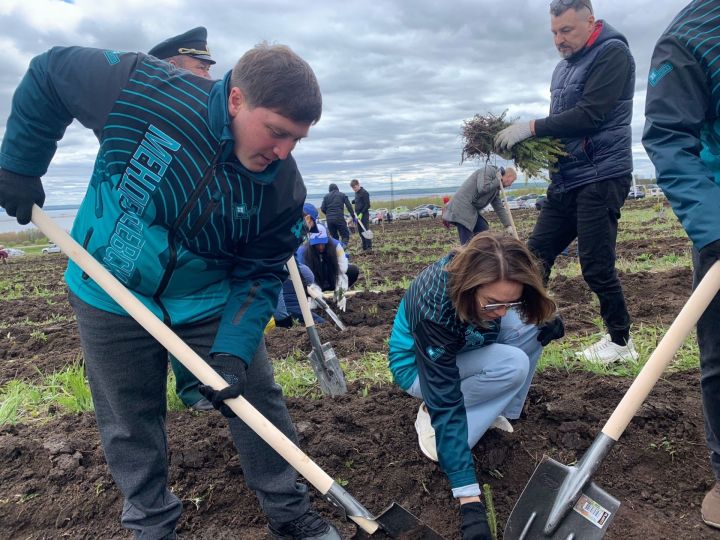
(488, 258)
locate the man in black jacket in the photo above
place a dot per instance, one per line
(333, 206)
(590, 112)
(362, 211)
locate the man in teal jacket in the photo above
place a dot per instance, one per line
(682, 137)
(195, 205)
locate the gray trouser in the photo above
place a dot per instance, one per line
(127, 371)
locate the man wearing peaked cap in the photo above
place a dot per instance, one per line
(187, 51)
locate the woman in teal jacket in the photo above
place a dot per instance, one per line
(465, 340)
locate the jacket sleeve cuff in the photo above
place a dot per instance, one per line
(473, 490)
(462, 478)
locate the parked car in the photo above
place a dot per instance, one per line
(434, 209)
(381, 214)
(14, 252)
(515, 203)
(420, 212)
(400, 213)
(653, 190)
(52, 248)
(636, 192)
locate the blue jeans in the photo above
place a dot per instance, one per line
(495, 380)
(127, 371)
(589, 213)
(466, 234)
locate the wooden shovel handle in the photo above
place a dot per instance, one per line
(664, 353)
(168, 339)
(507, 207)
(300, 293)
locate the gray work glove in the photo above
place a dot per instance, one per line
(511, 135)
(234, 371)
(18, 193)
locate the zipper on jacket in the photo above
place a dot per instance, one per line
(172, 251)
(85, 243)
(205, 216)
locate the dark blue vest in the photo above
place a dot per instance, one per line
(605, 153)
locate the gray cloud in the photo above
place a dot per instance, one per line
(398, 78)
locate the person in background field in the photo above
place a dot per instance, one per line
(3, 254)
(288, 309)
(592, 93)
(681, 134)
(479, 189)
(327, 261)
(186, 51)
(333, 206)
(362, 211)
(195, 206)
(466, 341)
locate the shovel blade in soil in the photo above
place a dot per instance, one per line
(397, 522)
(588, 519)
(327, 369)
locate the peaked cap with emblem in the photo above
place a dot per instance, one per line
(191, 43)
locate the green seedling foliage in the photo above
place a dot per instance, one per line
(490, 509)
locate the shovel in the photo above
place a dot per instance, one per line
(367, 234)
(560, 501)
(507, 207)
(322, 357)
(396, 521)
(318, 297)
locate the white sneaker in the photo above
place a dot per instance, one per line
(426, 433)
(502, 424)
(606, 352)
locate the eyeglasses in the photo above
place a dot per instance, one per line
(501, 305)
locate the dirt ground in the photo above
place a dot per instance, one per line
(56, 484)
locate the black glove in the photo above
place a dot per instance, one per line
(18, 193)
(708, 255)
(550, 330)
(474, 524)
(234, 371)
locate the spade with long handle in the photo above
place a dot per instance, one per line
(562, 502)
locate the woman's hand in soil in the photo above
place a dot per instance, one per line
(550, 330)
(474, 524)
(234, 371)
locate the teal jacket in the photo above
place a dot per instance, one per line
(425, 340)
(682, 126)
(169, 210)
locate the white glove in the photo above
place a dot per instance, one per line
(340, 299)
(312, 304)
(511, 135)
(314, 290)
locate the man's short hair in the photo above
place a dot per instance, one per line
(274, 77)
(558, 7)
(354, 182)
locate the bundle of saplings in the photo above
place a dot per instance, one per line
(531, 155)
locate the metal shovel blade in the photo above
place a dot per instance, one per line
(367, 234)
(327, 369)
(324, 305)
(397, 522)
(588, 519)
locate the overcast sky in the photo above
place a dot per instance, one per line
(398, 77)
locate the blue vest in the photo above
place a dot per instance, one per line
(605, 153)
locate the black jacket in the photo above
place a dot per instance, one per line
(362, 201)
(332, 205)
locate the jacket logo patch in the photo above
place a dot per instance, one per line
(657, 74)
(474, 338)
(434, 352)
(298, 228)
(113, 57)
(241, 211)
